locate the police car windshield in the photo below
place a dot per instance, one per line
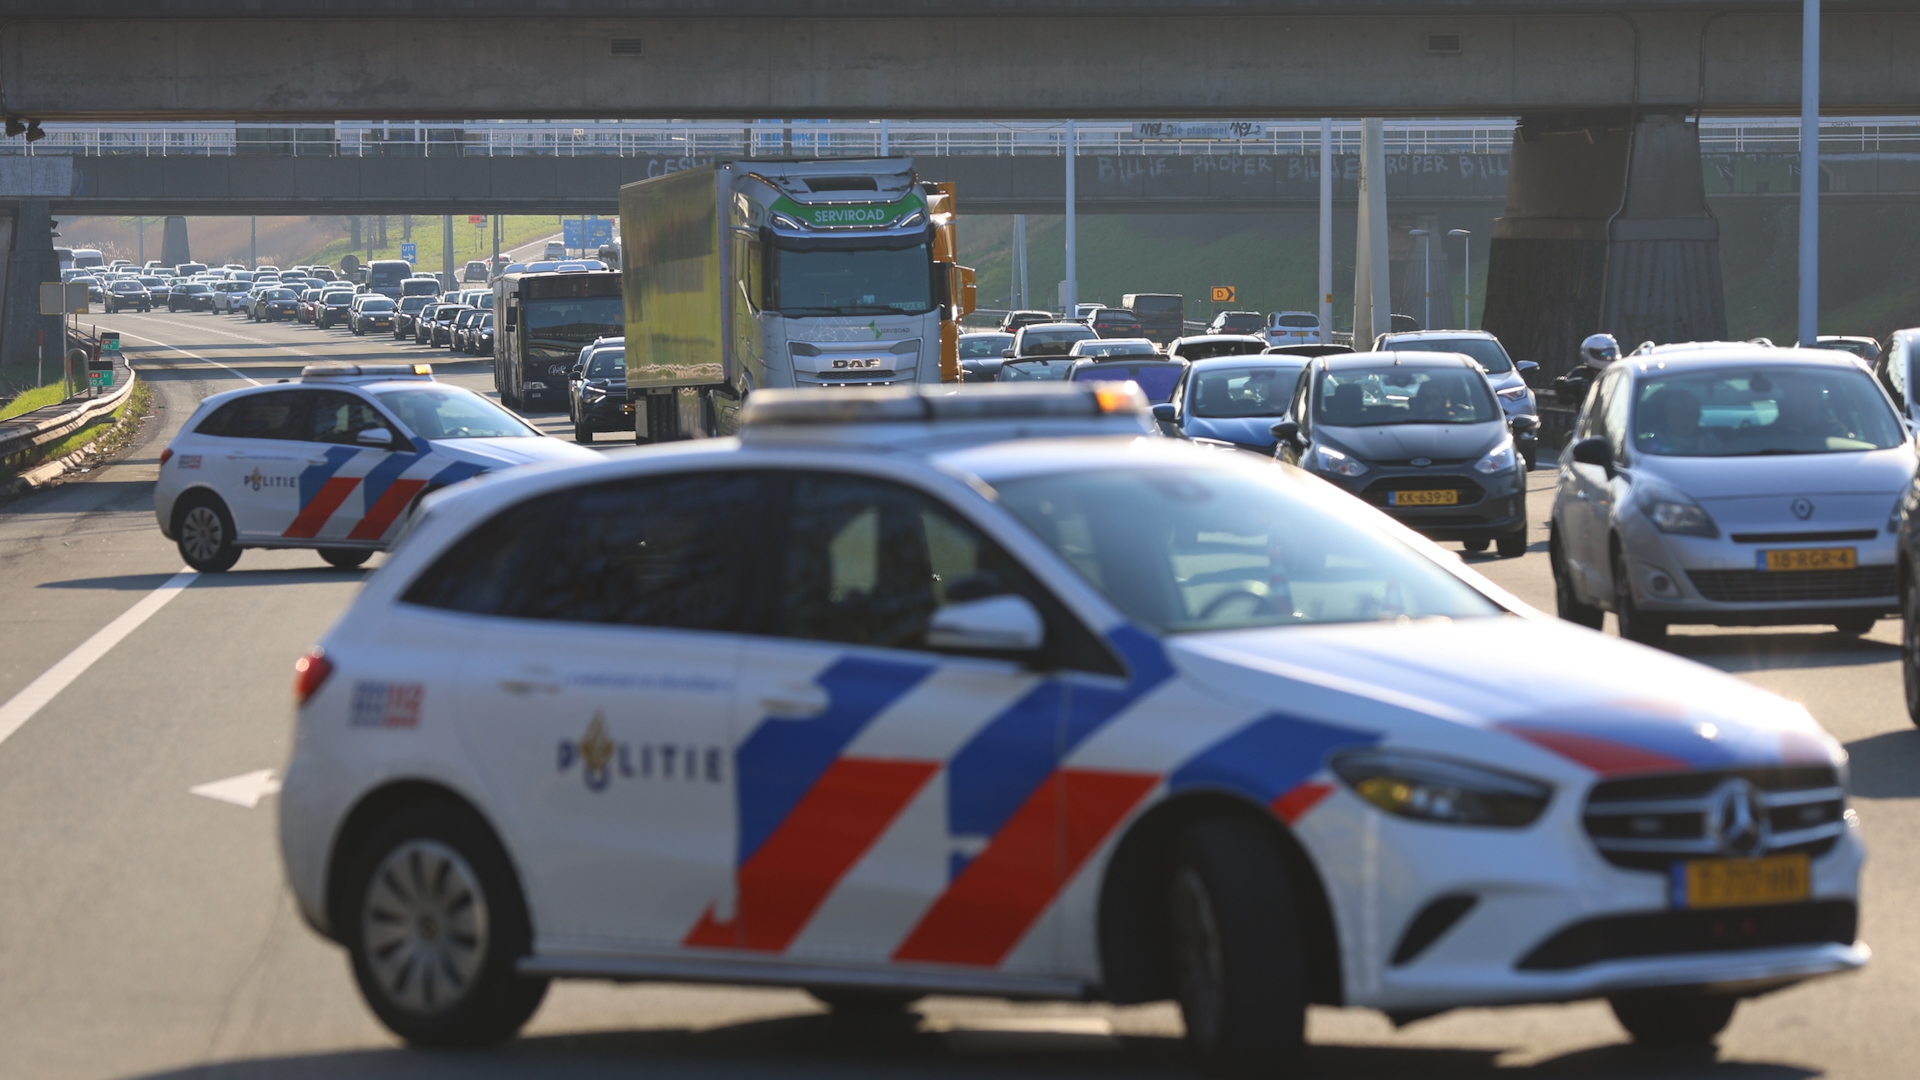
(1184, 549)
(443, 412)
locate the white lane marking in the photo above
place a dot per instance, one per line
(196, 356)
(262, 342)
(246, 790)
(22, 706)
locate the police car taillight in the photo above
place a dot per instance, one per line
(309, 672)
(909, 404)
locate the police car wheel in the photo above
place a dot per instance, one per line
(345, 558)
(205, 532)
(1237, 960)
(859, 1001)
(1674, 1019)
(435, 925)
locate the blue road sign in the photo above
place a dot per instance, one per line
(410, 252)
(586, 233)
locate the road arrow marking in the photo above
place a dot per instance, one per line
(246, 790)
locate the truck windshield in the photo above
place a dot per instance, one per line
(576, 318)
(813, 278)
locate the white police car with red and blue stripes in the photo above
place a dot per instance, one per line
(990, 692)
(335, 461)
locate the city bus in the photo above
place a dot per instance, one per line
(541, 322)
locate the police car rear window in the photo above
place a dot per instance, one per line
(650, 552)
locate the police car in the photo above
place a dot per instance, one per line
(989, 692)
(334, 461)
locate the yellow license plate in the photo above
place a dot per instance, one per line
(1810, 559)
(1446, 497)
(1723, 883)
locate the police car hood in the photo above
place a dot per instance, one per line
(507, 452)
(1540, 681)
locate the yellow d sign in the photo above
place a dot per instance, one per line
(1223, 294)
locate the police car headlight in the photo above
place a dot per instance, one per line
(1442, 790)
(1498, 459)
(1327, 459)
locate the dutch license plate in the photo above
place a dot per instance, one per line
(1722, 883)
(1442, 497)
(1809, 559)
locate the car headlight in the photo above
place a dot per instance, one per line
(1514, 393)
(1498, 459)
(1673, 512)
(1327, 459)
(1441, 790)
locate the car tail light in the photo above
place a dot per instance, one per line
(309, 672)
(165, 454)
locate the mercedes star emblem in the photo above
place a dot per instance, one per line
(1738, 819)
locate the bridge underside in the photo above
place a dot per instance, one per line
(221, 61)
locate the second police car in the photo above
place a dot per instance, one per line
(985, 692)
(333, 462)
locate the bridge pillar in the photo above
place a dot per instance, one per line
(174, 248)
(1606, 229)
(30, 261)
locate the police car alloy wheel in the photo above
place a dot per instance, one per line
(1237, 960)
(436, 926)
(205, 530)
(1674, 1019)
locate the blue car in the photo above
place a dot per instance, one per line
(1232, 399)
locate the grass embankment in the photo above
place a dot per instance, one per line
(35, 398)
(102, 438)
(469, 242)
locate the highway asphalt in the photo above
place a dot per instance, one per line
(145, 931)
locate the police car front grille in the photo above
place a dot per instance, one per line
(1679, 933)
(1645, 823)
(1762, 586)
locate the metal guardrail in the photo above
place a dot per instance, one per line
(841, 138)
(22, 435)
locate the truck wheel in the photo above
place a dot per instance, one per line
(436, 925)
(1239, 970)
(206, 534)
(1674, 1019)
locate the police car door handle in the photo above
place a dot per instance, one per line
(794, 702)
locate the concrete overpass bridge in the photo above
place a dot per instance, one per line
(1605, 224)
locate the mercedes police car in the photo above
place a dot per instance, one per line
(989, 692)
(334, 461)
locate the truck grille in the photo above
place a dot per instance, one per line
(1761, 586)
(1647, 822)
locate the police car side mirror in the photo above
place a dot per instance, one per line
(375, 436)
(997, 624)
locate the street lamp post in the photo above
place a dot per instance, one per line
(1426, 317)
(1466, 257)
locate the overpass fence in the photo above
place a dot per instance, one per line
(706, 139)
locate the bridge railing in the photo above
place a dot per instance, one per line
(698, 140)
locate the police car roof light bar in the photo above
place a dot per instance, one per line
(385, 371)
(856, 405)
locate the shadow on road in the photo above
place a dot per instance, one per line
(1886, 766)
(832, 1046)
(1736, 652)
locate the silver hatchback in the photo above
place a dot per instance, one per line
(1731, 485)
